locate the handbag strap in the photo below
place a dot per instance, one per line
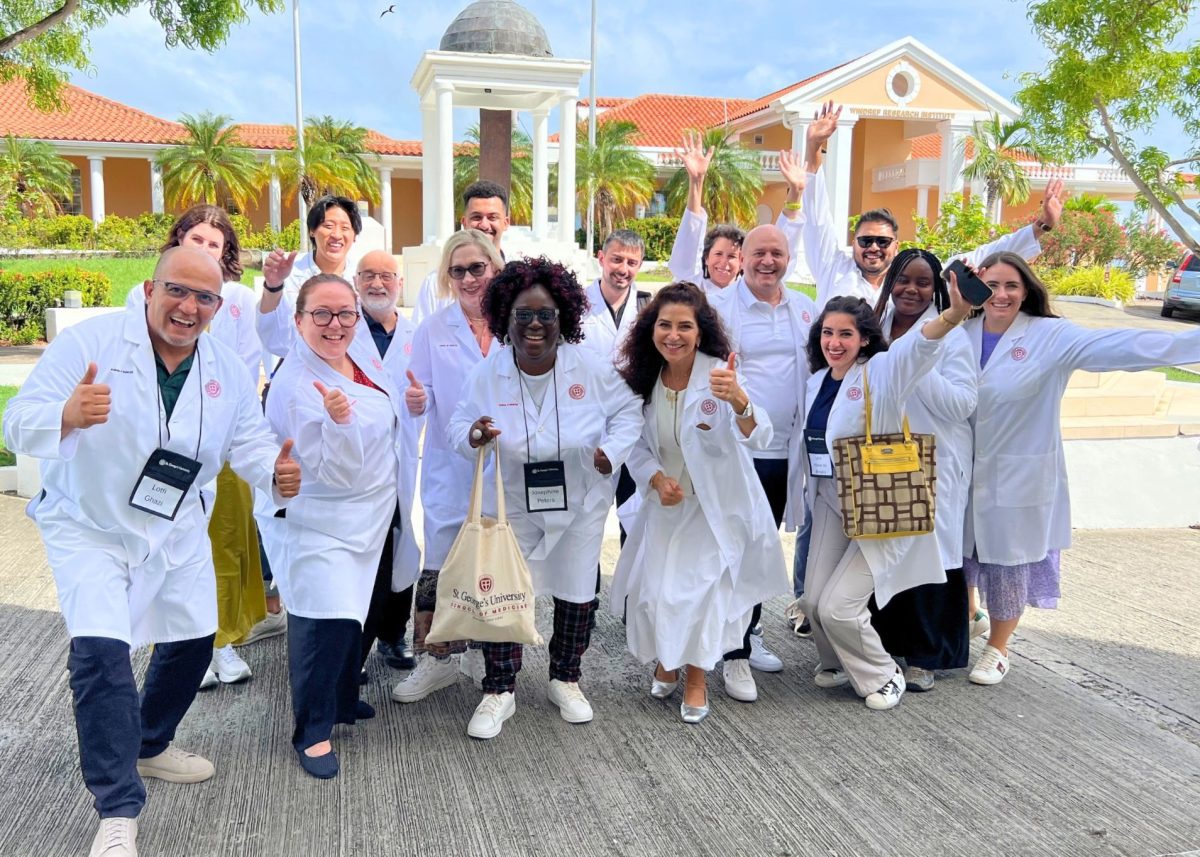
(867, 401)
(475, 510)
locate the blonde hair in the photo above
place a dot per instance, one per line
(466, 238)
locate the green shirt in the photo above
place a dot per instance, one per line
(170, 385)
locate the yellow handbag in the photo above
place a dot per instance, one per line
(886, 483)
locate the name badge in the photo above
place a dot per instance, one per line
(820, 463)
(545, 486)
(163, 483)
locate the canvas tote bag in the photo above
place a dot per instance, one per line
(887, 483)
(485, 590)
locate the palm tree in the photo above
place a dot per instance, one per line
(731, 186)
(1090, 204)
(335, 162)
(614, 171)
(520, 194)
(210, 163)
(998, 147)
(33, 177)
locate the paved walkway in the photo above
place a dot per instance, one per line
(1091, 747)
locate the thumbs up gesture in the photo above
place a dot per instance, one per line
(723, 381)
(88, 404)
(415, 396)
(287, 471)
(337, 405)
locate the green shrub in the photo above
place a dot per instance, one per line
(68, 232)
(142, 234)
(24, 299)
(1097, 282)
(1051, 277)
(658, 233)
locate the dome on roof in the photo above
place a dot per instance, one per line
(496, 27)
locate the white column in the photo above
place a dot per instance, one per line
(541, 176)
(385, 206)
(799, 125)
(950, 169)
(837, 174)
(444, 213)
(157, 203)
(566, 170)
(275, 200)
(429, 153)
(96, 163)
(923, 201)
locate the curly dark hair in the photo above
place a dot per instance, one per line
(864, 320)
(639, 361)
(522, 274)
(941, 297)
(214, 216)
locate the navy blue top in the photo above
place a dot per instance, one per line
(380, 334)
(818, 415)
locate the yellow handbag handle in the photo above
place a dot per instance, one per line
(867, 399)
(904, 457)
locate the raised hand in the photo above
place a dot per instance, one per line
(724, 384)
(415, 397)
(88, 404)
(669, 492)
(695, 157)
(482, 431)
(791, 167)
(287, 471)
(277, 266)
(603, 465)
(1052, 202)
(823, 124)
(960, 307)
(337, 404)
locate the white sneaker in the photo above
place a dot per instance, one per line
(981, 625)
(889, 695)
(273, 625)
(210, 679)
(739, 681)
(431, 674)
(229, 666)
(117, 837)
(471, 665)
(572, 704)
(827, 679)
(762, 658)
(991, 668)
(490, 714)
(918, 679)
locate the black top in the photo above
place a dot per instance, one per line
(818, 415)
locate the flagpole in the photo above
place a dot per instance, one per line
(591, 208)
(303, 209)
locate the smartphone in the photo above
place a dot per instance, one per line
(972, 288)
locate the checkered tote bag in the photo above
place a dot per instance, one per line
(887, 483)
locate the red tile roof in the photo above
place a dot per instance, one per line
(88, 117)
(662, 119)
(603, 103)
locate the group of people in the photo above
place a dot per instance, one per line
(706, 412)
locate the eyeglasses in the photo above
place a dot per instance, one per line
(324, 317)
(384, 277)
(475, 269)
(526, 316)
(881, 241)
(176, 291)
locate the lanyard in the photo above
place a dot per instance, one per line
(525, 419)
(162, 408)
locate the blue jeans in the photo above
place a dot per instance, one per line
(800, 562)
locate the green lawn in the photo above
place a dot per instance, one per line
(1174, 374)
(6, 393)
(124, 273)
(664, 276)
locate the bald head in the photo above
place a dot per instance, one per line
(378, 285)
(378, 260)
(190, 267)
(765, 258)
(178, 302)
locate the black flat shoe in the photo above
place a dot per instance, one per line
(363, 710)
(322, 767)
(398, 656)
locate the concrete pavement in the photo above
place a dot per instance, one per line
(1090, 747)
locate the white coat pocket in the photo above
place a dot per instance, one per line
(1026, 480)
(349, 523)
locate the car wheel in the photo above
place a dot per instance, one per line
(1167, 311)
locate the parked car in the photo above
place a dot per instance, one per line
(1183, 291)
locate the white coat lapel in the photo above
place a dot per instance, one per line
(1008, 341)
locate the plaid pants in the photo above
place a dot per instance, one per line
(573, 625)
(425, 601)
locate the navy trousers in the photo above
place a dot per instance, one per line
(323, 665)
(389, 612)
(115, 727)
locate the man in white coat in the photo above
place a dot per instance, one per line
(131, 414)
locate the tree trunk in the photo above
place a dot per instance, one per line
(10, 42)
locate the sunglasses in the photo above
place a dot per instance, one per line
(526, 316)
(324, 317)
(208, 300)
(881, 241)
(475, 269)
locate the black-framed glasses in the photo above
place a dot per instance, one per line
(475, 269)
(881, 241)
(180, 292)
(325, 317)
(385, 277)
(526, 316)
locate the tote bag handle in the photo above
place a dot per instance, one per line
(475, 511)
(867, 402)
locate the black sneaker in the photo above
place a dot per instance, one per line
(398, 656)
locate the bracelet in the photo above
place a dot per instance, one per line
(942, 318)
(793, 206)
(276, 290)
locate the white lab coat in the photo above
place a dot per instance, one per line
(274, 337)
(747, 568)
(687, 253)
(900, 563)
(802, 313)
(596, 410)
(165, 586)
(942, 405)
(428, 300)
(337, 525)
(1020, 507)
(601, 335)
(444, 353)
(833, 266)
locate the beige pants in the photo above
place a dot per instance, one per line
(837, 589)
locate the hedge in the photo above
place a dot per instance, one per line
(24, 299)
(1095, 282)
(658, 233)
(142, 234)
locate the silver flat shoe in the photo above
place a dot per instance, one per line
(663, 689)
(693, 713)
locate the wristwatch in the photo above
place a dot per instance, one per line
(276, 290)
(748, 413)
(1041, 225)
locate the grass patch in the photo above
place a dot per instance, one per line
(124, 273)
(804, 288)
(6, 457)
(1174, 374)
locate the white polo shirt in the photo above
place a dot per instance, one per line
(767, 360)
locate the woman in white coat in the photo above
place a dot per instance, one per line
(446, 347)
(544, 399)
(927, 625)
(846, 342)
(349, 418)
(704, 548)
(1019, 516)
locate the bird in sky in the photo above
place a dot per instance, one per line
(391, 8)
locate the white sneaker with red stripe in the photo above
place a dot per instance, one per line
(991, 668)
